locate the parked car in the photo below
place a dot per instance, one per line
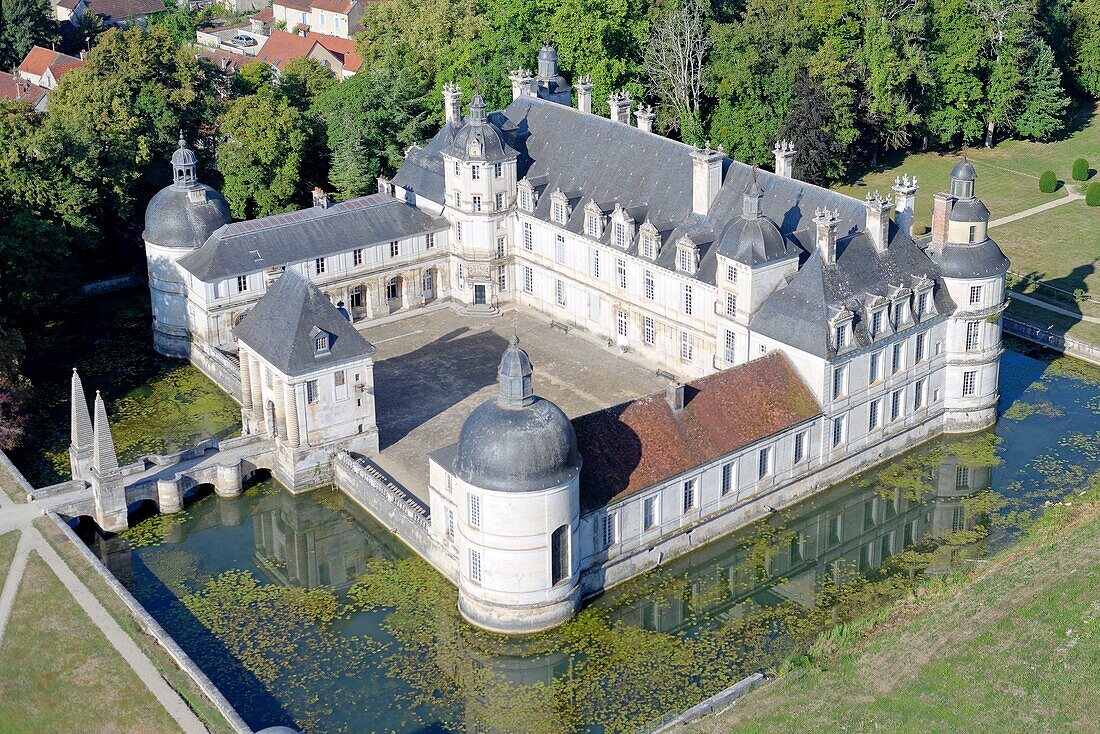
(243, 40)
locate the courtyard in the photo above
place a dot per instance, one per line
(433, 369)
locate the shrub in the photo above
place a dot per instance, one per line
(1092, 194)
(1080, 170)
(1048, 182)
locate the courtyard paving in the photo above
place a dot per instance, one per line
(433, 369)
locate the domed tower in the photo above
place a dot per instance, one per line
(973, 269)
(551, 85)
(178, 220)
(515, 478)
(480, 185)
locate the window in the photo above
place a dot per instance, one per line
(922, 347)
(559, 292)
(450, 516)
(475, 565)
(730, 351)
(610, 531)
(876, 323)
(559, 555)
(395, 249)
(962, 477)
(559, 249)
(688, 305)
(356, 296)
(727, 478)
(620, 323)
(685, 261)
(461, 276)
(799, 446)
(595, 263)
(357, 256)
(525, 199)
(592, 226)
(689, 495)
(476, 201)
(427, 282)
(559, 213)
(311, 391)
(895, 404)
(764, 462)
(498, 202)
(320, 344)
(393, 289)
(502, 277)
(876, 368)
(731, 273)
(429, 241)
(838, 431)
(970, 383)
(500, 247)
(458, 171)
(687, 346)
(973, 335)
(835, 528)
(340, 378)
(458, 231)
(898, 358)
(475, 172)
(874, 417)
(528, 239)
(731, 304)
(649, 512)
(458, 199)
(649, 288)
(620, 235)
(498, 169)
(908, 534)
(242, 283)
(649, 330)
(620, 272)
(918, 394)
(474, 507)
(528, 280)
(841, 336)
(319, 266)
(972, 236)
(649, 247)
(868, 514)
(922, 304)
(840, 381)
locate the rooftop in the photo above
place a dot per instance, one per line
(17, 89)
(120, 10)
(39, 59)
(282, 47)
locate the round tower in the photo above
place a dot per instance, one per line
(973, 270)
(517, 469)
(179, 219)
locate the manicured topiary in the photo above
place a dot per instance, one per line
(1092, 194)
(1080, 170)
(1048, 182)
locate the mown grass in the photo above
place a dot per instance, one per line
(8, 542)
(58, 673)
(1069, 261)
(1010, 646)
(1058, 323)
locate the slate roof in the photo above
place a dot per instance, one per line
(258, 244)
(629, 447)
(282, 326)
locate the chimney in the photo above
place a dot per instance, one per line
(320, 198)
(83, 55)
(645, 116)
(584, 94)
(825, 235)
(706, 177)
(452, 103)
(784, 158)
(674, 394)
(905, 198)
(620, 107)
(941, 213)
(521, 82)
(384, 186)
(878, 220)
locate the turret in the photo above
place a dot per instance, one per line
(108, 491)
(80, 432)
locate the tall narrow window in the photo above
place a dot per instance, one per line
(475, 565)
(838, 431)
(610, 529)
(500, 247)
(840, 381)
(429, 240)
(727, 478)
(620, 323)
(497, 170)
(687, 346)
(918, 394)
(395, 249)
(649, 331)
(559, 555)
(922, 347)
(970, 383)
(620, 272)
(559, 292)
(895, 404)
(476, 201)
(688, 302)
(559, 249)
(689, 495)
(242, 283)
(875, 372)
(528, 280)
(899, 358)
(962, 477)
(649, 512)
(450, 525)
(799, 446)
(841, 336)
(730, 350)
(502, 277)
(873, 415)
(595, 263)
(528, 238)
(458, 231)
(357, 256)
(922, 304)
(475, 510)
(319, 266)
(973, 335)
(475, 172)
(498, 202)
(731, 304)
(764, 462)
(311, 391)
(620, 235)
(649, 288)
(876, 323)
(731, 273)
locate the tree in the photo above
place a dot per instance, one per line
(955, 62)
(809, 126)
(89, 26)
(251, 76)
(264, 142)
(1085, 45)
(303, 81)
(179, 22)
(23, 24)
(675, 61)
(1044, 103)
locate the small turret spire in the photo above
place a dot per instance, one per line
(751, 204)
(184, 166)
(80, 424)
(104, 458)
(514, 375)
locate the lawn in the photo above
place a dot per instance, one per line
(8, 542)
(1012, 647)
(58, 673)
(1059, 324)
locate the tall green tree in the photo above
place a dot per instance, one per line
(303, 81)
(23, 24)
(1042, 114)
(1085, 45)
(955, 58)
(264, 142)
(810, 125)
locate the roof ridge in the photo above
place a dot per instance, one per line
(316, 212)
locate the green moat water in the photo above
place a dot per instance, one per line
(306, 612)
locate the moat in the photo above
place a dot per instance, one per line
(306, 612)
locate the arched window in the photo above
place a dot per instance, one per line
(393, 288)
(559, 555)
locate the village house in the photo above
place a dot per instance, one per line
(331, 17)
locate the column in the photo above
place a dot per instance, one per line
(290, 409)
(280, 413)
(246, 381)
(257, 386)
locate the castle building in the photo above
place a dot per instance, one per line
(810, 334)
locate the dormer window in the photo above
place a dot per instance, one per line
(593, 220)
(526, 195)
(321, 341)
(650, 244)
(687, 256)
(842, 330)
(841, 336)
(622, 229)
(559, 213)
(901, 315)
(559, 207)
(876, 323)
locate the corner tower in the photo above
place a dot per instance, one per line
(179, 219)
(973, 270)
(514, 482)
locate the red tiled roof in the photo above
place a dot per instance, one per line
(224, 60)
(68, 4)
(629, 447)
(332, 6)
(15, 88)
(341, 48)
(282, 47)
(39, 59)
(123, 9)
(265, 15)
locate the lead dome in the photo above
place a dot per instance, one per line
(185, 213)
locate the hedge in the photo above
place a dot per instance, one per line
(1080, 170)
(1048, 182)
(1092, 194)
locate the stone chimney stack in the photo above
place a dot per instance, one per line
(784, 158)
(825, 235)
(521, 82)
(941, 215)
(80, 430)
(320, 198)
(878, 220)
(584, 94)
(674, 394)
(108, 491)
(620, 107)
(905, 199)
(645, 117)
(706, 177)
(452, 103)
